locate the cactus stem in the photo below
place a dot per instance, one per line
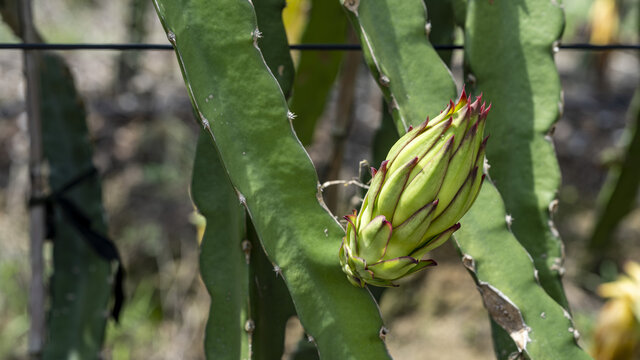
(394, 103)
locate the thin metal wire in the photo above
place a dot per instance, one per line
(43, 46)
(592, 47)
(302, 47)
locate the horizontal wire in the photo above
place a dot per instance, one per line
(321, 47)
(593, 47)
(77, 46)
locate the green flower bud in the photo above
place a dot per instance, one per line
(430, 178)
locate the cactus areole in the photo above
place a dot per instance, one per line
(429, 180)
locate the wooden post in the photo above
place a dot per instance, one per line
(36, 210)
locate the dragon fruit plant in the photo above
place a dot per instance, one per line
(430, 178)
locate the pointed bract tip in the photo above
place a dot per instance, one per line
(448, 123)
(366, 267)
(463, 101)
(411, 259)
(475, 104)
(383, 167)
(351, 219)
(373, 171)
(486, 110)
(450, 143)
(463, 94)
(410, 128)
(484, 142)
(430, 262)
(482, 118)
(423, 125)
(474, 129)
(455, 227)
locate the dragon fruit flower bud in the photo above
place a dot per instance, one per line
(429, 180)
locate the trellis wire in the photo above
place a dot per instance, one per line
(301, 47)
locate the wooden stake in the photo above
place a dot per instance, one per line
(36, 211)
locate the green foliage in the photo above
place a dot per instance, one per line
(508, 284)
(518, 75)
(271, 304)
(136, 333)
(388, 28)
(618, 194)
(82, 280)
(80, 275)
(257, 305)
(222, 256)
(270, 247)
(317, 69)
(14, 321)
(273, 41)
(239, 101)
(430, 179)
(515, 288)
(385, 137)
(441, 25)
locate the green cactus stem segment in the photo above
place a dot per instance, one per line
(430, 179)
(246, 116)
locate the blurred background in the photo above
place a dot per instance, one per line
(144, 135)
